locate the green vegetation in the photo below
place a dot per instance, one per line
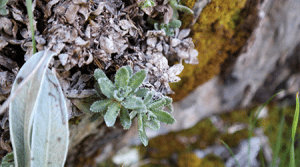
(124, 97)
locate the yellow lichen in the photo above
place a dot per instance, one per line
(217, 34)
(188, 159)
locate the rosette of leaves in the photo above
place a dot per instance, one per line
(175, 22)
(152, 113)
(125, 98)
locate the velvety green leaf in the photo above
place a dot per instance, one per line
(157, 103)
(141, 130)
(3, 11)
(122, 77)
(21, 108)
(111, 114)
(99, 74)
(148, 97)
(100, 106)
(184, 9)
(142, 92)
(151, 115)
(156, 26)
(3, 2)
(133, 102)
(129, 69)
(133, 114)
(169, 103)
(121, 93)
(153, 124)
(50, 132)
(125, 118)
(137, 79)
(175, 23)
(107, 87)
(141, 109)
(8, 160)
(117, 96)
(163, 116)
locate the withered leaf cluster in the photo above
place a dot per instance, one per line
(90, 34)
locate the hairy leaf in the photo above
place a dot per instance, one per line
(137, 79)
(121, 93)
(100, 106)
(142, 92)
(122, 77)
(50, 132)
(8, 160)
(163, 116)
(157, 103)
(133, 114)
(107, 87)
(133, 102)
(129, 69)
(111, 114)
(141, 130)
(169, 103)
(153, 124)
(175, 23)
(21, 108)
(148, 97)
(125, 118)
(99, 74)
(184, 9)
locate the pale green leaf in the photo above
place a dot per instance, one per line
(8, 160)
(169, 103)
(133, 102)
(3, 3)
(175, 23)
(148, 97)
(153, 124)
(141, 130)
(122, 77)
(133, 114)
(3, 11)
(163, 116)
(107, 87)
(184, 9)
(125, 118)
(112, 114)
(21, 107)
(100, 106)
(157, 103)
(137, 79)
(121, 93)
(50, 133)
(129, 69)
(142, 92)
(99, 74)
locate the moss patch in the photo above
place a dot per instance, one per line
(219, 32)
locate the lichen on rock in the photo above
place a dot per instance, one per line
(218, 34)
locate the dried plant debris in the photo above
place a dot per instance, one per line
(86, 35)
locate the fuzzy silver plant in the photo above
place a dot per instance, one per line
(124, 97)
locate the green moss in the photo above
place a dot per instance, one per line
(162, 147)
(211, 160)
(233, 140)
(191, 160)
(188, 159)
(217, 34)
